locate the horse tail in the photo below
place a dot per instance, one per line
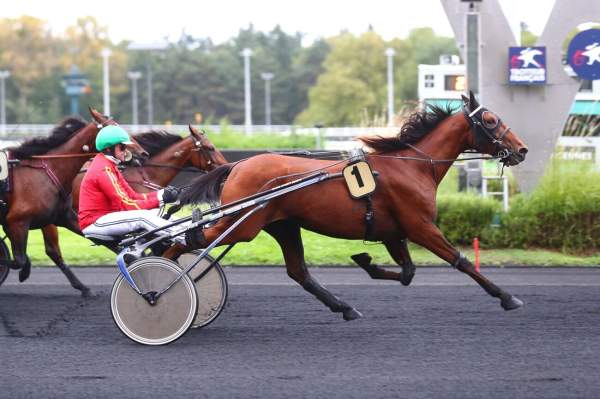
(206, 188)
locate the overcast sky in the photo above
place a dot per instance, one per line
(151, 21)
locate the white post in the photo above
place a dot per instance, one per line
(390, 52)
(134, 76)
(267, 77)
(3, 76)
(149, 93)
(246, 53)
(505, 193)
(484, 187)
(106, 85)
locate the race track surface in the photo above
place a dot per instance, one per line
(443, 337)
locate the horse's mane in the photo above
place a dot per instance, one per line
(41, 145)
(155, 141)
(417, 126)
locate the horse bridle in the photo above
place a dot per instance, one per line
(203, 151)
(482, 130)
(146, 180)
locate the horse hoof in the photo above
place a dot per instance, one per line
(352, 314)
(86, 292)
(362, 259)
(511, 302)
(24, 274)
(406, 280)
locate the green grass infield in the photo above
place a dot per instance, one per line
(319, 250)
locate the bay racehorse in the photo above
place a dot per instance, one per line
(42, 183)
(169, 154)
(410, 167)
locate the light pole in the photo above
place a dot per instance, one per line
(3, 76)
(390, 52)
(246, 53)
(149, 49)
(472, 50)
(267, 77)
(134, 76)
(106, 85)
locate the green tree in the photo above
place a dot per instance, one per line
(30, 53)
(195, 75)
(81, 45)
(354, 82)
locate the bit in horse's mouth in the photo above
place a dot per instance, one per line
(513, 159)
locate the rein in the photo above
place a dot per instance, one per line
(153, 186)
(52, 176)
(58, 156)
(432, 161)
(427, 158)
(435, 161)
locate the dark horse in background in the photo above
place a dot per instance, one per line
(169, 154)
(42, 182)
(410, 166)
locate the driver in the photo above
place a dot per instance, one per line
(107, 204)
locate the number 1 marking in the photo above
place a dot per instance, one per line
(356, 174)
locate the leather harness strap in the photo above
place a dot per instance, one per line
(51, 175)
(369, 219)
(358, 155)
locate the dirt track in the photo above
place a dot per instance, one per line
(442, 337)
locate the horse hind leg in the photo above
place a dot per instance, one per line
(399, 252)
(52, 247)
(287, 235)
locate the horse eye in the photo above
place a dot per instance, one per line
(489, 120)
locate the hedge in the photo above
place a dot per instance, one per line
(562, 213)
(461, 217)
(227, 138)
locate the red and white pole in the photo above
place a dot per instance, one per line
(476, 249)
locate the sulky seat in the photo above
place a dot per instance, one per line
(102, 237)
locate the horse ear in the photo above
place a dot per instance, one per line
(98, 117)
(193, 130)
(465, 99)
(472, 101)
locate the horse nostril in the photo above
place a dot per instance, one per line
(523, 150)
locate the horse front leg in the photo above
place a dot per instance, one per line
(17, 232)
(287, 234)
(50, 234)
(398, 250)
(432, 238)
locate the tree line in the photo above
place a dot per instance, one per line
(339, 80)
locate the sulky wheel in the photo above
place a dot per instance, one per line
(172, 314)
(211, 288)
(4, 258)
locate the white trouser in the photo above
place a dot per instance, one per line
(117, 224)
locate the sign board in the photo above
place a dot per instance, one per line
(584, 54)
(577, 153)
(360, 179)
(527, 65)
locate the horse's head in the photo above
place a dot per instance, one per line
(138, 154)
(205, 156)
(489, 135)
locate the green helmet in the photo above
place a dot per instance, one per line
(111, 135)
